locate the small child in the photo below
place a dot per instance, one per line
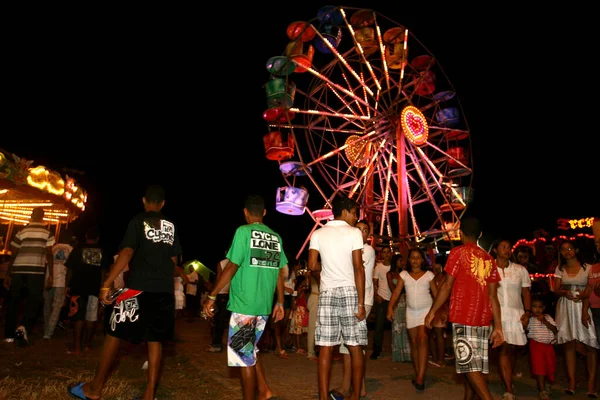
(299, 313)
(541, 332)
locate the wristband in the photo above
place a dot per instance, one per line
(361, 305)
(279, 304)
(213, 298)
(529, 311)
(105, 289)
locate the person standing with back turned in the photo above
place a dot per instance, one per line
(471, 281)
(341, 313)
(254, 271)
(146, 310)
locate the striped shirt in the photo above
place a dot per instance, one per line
(32, 243)
(540, 332)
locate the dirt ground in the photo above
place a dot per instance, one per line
(43, 370)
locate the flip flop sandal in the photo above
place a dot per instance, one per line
(76, 391)
(282, 354)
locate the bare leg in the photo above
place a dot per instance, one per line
(440, 345)
(419, 348)
(324, 370)
(88, 334)
(592, 366)
(346, 376)
(541, 382)
(264, 392)
(248, 377)
(154, 360)
(505, 366)
(77, 334)
(356, 356)
(93, 389)
(571, 361)
(363, 390)
(478, 383)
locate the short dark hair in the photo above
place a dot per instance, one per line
(255, 204)
(341, 203)
(470, 226)
(155, 194)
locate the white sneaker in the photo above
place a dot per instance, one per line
(544, 395)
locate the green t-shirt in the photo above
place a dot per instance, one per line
(258, 252)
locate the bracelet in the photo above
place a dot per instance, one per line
(213, 298)
(279, 304)
(105, 289)
(529, 311)
(361, 305)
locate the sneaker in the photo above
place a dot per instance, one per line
(21, 336)
(508, 396)
(213, 349)
(544, 395)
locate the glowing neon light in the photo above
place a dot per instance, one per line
(414, 125)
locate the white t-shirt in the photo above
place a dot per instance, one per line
(335, 242)
(513, 278)
(192, 289)
(60, 253)
(368, 256)
(383, 289)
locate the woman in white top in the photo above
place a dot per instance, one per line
(570, 284)
(514, 296)
(418, 282)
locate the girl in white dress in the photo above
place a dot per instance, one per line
(570, 284)
(418, 282)
(514, 296)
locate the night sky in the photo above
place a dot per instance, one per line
(149, 96)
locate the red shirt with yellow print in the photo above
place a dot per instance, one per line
(472, 269)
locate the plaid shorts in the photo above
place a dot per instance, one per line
(336, 322)
(471, 348)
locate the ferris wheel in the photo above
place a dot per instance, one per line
(357, 105)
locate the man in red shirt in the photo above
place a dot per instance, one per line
(471, 281)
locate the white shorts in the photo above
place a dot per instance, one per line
(91, 311)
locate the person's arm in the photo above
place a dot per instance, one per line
(394, 298)
(359, 281)
(390, 280)
(14, 251)
(548, 324)
(120, 264)
(278, 311)
(442, 295)
(224, 279)
(50, 262)
(433, 287)
(497, 336)
(314, 266)
(526, 295)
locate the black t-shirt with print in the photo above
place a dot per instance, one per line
(86, 263)
(154, 241)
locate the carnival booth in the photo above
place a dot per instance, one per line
(24, 186)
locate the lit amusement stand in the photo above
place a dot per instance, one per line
(357, 105)
(24, 186)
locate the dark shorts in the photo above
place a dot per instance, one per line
(83, 308)
(141, 316)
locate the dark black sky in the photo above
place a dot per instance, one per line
(175, 96)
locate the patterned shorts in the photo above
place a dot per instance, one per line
(471, 348)
(336, 322)
(83, 308)
(244, 333)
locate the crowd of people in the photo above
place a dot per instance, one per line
(459, 306)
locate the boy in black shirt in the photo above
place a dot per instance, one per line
(146, 310)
